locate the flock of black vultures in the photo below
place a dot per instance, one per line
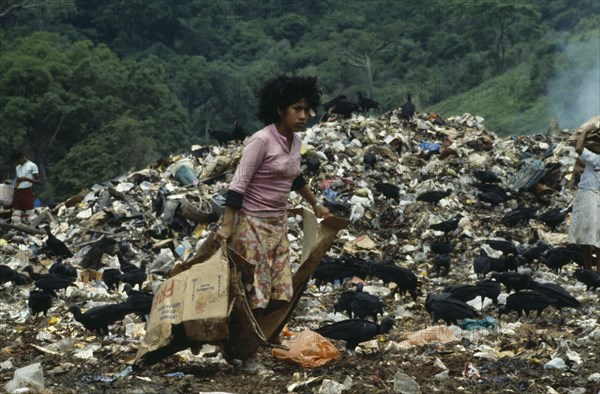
(450, 305)
(62, 275)
(340, 106)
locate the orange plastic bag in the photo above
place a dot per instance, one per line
(307, 349)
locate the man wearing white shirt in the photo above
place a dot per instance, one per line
(27, 176)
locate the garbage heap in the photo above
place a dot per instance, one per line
(162, 214)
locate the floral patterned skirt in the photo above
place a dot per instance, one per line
(263, 242)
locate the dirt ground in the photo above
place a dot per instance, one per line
(371, 371)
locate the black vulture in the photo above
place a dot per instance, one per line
(448, 225)
(388, 190)
(312, 165)
(494, 198)
(405, 279)
(59, 268)
(238, 132)
(450, 310)
(21, 279)
(135, 277)
(343, 303)
(365, 305)
(93, 258)
(344, 107)
(431, 298)
(441, 264)
(486, 176)
(590, 278)
(32, 274)
(556, 258)
(464, 292)
(56, 246)
(221, 136)
(53, 282)
(369, 159)
(366, 103)
(506, 247)
(553, 217)
(329, 270)
(514, 281)
(7, 274)
(331, 103)
(534, 253)
(99, 318)
(559, 293)
(355, 331)
(433, 196)
(39, 302)
(408, 108)
(126, 266)
(441, 247)
(482, 264)
(490, 188)
(489, 289)
(141, 301)
(111, 278)
(518, 215)
(526, 301)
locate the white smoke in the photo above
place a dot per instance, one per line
(574, 91)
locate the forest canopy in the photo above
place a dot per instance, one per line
(90, 89)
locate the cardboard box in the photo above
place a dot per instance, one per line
(204, 300)
(197, 298)
(87, 276)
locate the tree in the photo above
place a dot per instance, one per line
(502, 16)
(58, 95)
(363, 48)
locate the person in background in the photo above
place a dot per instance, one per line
(27, 175)
(584, 228)
(255, 218)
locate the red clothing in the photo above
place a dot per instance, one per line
(266, 172)
(23, 199)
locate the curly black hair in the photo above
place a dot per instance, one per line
(16, 155)
(283, 91)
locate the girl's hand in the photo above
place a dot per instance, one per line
(321, 211)
(224, 232)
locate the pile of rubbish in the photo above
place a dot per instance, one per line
(378, 172)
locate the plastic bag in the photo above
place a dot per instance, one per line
(186, 176)
(430, 147)
(307, 349)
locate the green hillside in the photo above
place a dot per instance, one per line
(508, 105)
(89, 89)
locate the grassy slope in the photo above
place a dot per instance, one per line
(502, 102)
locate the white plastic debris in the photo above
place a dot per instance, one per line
(405, 384)
(87, 352)
(439, 364)
(331, 387)
(29, 376)
(4, 365)
(347, 383)
(124, 187)
(556, 363)
(594, 378)
(442, 375)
